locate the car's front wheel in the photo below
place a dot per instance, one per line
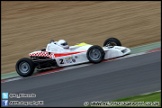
(95, 54)
(25, 67)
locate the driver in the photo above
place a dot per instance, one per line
(60, 46)
(62, 43)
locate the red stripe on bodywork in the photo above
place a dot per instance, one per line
(66, 54)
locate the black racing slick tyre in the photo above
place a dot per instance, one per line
(25, 67)
(95, 54)
(112, 42)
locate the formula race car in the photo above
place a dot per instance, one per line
(77, 54)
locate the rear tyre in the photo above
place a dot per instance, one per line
(25, 67)
(95, 54)
(112, 42)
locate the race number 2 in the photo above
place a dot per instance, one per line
(61, 61)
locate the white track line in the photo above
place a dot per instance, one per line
(150, 92)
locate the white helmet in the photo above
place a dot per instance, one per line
(63, 44)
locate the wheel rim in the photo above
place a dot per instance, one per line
(24, 67)
(95, 54)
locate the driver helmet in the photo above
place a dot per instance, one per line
(63, 44)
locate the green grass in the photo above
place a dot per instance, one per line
(150, 100)
(156, 96)
(147, 100)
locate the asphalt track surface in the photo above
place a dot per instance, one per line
(105, 81)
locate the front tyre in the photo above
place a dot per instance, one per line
(95, 54)
(25, 67)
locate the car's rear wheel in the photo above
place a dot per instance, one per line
(25, 67)
(95, 54)
(112, 42)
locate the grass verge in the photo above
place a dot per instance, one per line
(145, 100)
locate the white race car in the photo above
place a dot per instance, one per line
(78, 54)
